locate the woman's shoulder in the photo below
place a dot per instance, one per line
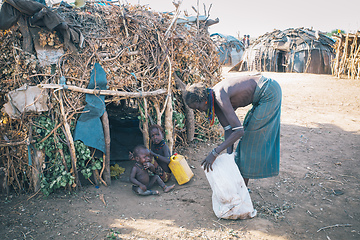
(235, 84)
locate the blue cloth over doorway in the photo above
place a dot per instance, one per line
(89, 128)
(258, 152)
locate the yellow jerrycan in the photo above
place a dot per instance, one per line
(180, 169)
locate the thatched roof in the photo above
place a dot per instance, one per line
(292, 50)
(230, 48)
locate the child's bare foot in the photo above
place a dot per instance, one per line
(169, 188)
(154, 192)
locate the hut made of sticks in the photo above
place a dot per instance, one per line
(75, 81)
(292, 50)
(347, 60)
(230, 49)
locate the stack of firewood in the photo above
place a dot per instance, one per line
(347, 60)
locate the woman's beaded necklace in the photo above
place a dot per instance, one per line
(210, 114)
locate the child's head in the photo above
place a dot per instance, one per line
(141, 154)
(156, 134)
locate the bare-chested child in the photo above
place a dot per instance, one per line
(140, 176)
(160, 151)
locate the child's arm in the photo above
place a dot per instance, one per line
(163, 156)
(150, 166)
(133, 179)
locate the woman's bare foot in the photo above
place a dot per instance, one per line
(169, 188)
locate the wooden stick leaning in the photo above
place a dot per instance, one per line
(106, 156)
(104, 92)
(70, 141)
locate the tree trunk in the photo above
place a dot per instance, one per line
(105, 122)
(169, 129)
(38, 160)
(189, 113)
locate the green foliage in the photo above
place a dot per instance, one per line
(179, 119)
(335, 32)
(113, 234)
(55, 175)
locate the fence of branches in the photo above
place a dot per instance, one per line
(347, 60)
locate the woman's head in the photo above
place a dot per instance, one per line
(156, 133)
(196, 96)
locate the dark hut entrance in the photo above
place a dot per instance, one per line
(124, 130)
(281, 61)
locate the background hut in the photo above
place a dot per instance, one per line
(292, 50)
(230, 49)
(80, 86)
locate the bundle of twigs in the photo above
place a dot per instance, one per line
(139, 49)
(347, 60)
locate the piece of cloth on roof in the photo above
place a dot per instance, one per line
(26, 99)
(258, 152)
(89, 128)
(41, 16)
(12, 9)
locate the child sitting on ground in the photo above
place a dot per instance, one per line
(140, 173)
(160, 151)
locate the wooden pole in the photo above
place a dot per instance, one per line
(169, 128)
(38, 160)
(104, 92)
(105, 122)
(158, 113)
(169, 124)
(337, 58)
(344, 56)
(70, 143)
(189, 113)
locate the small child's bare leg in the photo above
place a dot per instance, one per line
(138, 190)
(168, 188)
(153, 192)
(162, 184)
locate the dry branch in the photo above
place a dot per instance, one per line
(347, 61)
(104, 92)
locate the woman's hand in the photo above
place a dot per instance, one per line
(208, 162)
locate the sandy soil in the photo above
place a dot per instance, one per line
(316, 195)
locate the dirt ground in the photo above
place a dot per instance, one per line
(316, 195)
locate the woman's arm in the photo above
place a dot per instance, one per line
(149, 166)
(227, 116)
(226, 111)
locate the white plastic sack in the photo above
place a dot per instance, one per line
(230, 198)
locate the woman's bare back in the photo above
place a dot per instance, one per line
(239, 90)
